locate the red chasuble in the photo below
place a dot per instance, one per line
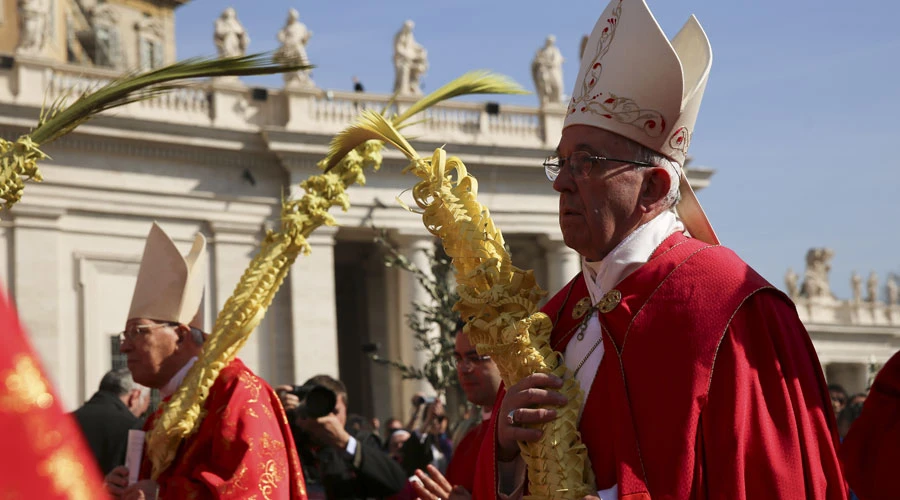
(871, 450)
(243, 448)
(44, 455)
(709, 386)
(461, 470)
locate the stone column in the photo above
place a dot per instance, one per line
(563, 263)
(314, 309)
(35, 288)
(412, 245)
(232, 247)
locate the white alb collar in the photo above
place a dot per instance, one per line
(631, 253)
(170, 387)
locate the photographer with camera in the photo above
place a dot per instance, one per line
(337, 465)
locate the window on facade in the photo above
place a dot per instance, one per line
(151, 52)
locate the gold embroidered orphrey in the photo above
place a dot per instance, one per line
(581, 307)
(609, 301)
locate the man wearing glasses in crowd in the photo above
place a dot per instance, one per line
(480, 380)
(243, 446)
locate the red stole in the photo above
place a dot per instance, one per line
(243, 448)
(461, 470)
(641, 421)
(871, 451)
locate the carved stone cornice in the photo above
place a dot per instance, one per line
(98, 143)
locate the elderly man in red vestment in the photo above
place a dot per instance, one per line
(244, 446)
(871, 451)
(480, 379)
(700, 380)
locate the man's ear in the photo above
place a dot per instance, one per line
(183, 332)
(654, 188)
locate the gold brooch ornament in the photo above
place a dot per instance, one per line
(609, 301)
(581, 307)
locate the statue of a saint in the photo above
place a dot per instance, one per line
(892, 291)
(818, 265)
(790, 281)
(35, 26)
(410, 62)
(230, 37)
(546, 70)
(293, 37)
(856, 283)
(872, 287)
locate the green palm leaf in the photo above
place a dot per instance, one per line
(18, 160)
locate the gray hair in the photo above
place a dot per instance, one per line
(120, 382)
(643, 153)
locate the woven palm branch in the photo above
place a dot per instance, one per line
(498, 300)
(19, 159)
(182, 414)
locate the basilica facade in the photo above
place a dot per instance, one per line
(218, 156)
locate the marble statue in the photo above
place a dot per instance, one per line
(892, 291)
(546, 70)
(856, 283)
(230, 37)
(410, 62)
(872, 287)
(790, 281)
(35, 26)
(818, 265)
(293, 38)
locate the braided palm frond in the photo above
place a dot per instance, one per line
(182, 414)
(500, 304)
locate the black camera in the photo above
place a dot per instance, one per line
(315, 400)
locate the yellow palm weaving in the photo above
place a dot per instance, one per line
(498, 300)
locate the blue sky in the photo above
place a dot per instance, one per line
(797, 118)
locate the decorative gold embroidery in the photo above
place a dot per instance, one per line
(67, 474)
(609, 301)
(269, 479)
(26, 388)
(236, 484)
(622, 109)
(581, 307)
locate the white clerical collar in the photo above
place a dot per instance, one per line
(486, 414)
(631, 253)
(169, 389)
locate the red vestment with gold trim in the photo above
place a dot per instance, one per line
(871, 450)
(44, 454)
(709, 386)
(243, 448)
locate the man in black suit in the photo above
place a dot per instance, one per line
(337, 465)
(106, 418)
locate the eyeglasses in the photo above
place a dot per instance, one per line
(133, 333)
(580, 164)
(470, 360)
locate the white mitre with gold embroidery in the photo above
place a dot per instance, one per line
(637, 84)
(170, 286)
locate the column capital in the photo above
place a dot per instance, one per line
(38, 217)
